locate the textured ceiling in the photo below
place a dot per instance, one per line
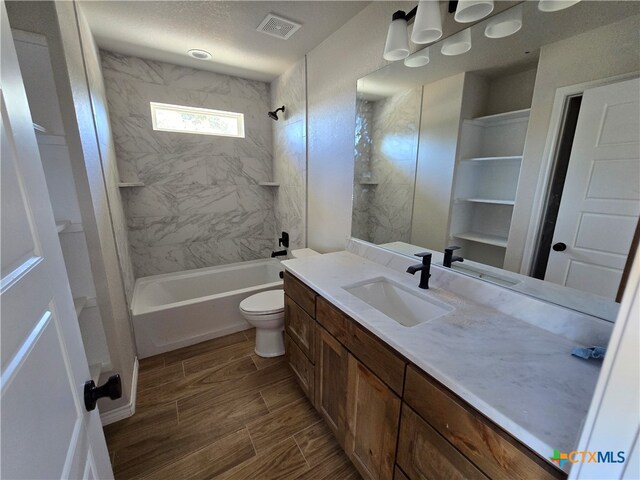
(165, 30)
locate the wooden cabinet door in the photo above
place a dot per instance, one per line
(424, 454)
(331, 381)
(373, 416)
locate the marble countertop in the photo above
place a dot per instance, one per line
(522, 377)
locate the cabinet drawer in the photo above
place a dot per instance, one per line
(491, 449)
(424, 454)
(300, 365)
(300, 327)
(300, 293)
(379, 358)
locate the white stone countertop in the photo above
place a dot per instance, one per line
(522, 377)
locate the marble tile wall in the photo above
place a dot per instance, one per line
(385, 165)
(201, 204)
(290, 153)
(362, 191)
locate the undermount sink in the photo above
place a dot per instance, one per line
(485, 275)
(398, 302)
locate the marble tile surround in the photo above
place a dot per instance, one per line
(201, 204)
(385, 154)
(290, 154)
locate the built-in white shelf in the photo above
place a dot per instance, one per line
(39, 128)
(482, 238)
(269, 184)
(512, 158)
(130, 184)
(62, 225)
(500, 118)
(488, 200)
(79, 304)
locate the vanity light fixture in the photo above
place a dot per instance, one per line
(472, 10)
(555, 5)
(199, 54)
(417, 59)
(505, 24)
(457, 44)
(427, 26)
(397, 45)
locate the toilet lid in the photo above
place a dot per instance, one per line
(267, 302)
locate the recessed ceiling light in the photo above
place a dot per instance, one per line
(199, 54)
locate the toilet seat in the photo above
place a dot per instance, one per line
(264, 303)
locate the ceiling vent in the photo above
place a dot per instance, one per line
(278, 27)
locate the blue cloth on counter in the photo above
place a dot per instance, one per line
(587, 353)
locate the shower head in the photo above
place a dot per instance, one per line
(274, 115)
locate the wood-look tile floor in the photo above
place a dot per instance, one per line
(217, 410)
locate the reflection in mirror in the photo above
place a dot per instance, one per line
(385, 165)
(524, 152)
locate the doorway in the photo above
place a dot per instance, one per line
(593, 201)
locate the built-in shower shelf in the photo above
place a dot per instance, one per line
(130, 184)
(269, 184)
(62, 225)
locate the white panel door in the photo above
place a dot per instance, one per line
(601, 196)
(46, 432)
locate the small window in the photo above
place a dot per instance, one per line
(202, 121)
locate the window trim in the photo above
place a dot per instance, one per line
(196, 110)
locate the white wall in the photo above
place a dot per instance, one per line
(511, 92)
(333, 69)
(600, 53)
(441, 109)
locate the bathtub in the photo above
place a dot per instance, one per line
(174, 310)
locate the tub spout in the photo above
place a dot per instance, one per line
(278, 253)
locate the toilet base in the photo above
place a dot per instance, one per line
(269, 342)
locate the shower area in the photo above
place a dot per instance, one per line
(203, 207)
(192, 200)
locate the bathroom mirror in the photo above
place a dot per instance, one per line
(479, 150)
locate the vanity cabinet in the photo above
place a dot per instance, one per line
(393, 420)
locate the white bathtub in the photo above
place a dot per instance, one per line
(175, 310)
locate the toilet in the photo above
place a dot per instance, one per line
(265, 311)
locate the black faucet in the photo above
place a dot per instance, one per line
(449, 258)
(278, 253)
(424, 268)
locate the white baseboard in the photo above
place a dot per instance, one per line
(127, 410)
